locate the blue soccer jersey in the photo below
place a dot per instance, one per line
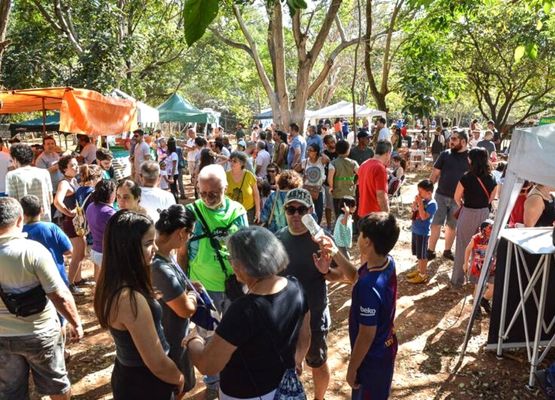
(373, 304)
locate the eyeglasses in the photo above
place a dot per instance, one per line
(271, 171)
(302, 210)
(210, 195)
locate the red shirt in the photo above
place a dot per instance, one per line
(517, 215)
(372, 177)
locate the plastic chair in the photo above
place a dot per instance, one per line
(395, 196)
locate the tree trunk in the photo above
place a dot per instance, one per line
(5, 9)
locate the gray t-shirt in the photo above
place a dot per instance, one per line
(167, 279)
(45, 161)
(453, 165)
(488, 145)
(301, 265)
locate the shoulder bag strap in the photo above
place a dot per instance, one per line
(243, 181)
(484, 188)
(273, 207)
(213, 243)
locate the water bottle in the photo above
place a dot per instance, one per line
(315, 230)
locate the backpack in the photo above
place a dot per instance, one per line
(79, 221)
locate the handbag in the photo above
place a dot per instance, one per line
(233, 288)
(79, 221)
(237, 193)
(457, 213)
(30, 302)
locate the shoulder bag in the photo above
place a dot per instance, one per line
(233, 288)
(237, 193)
(30, 302)
(457, 213)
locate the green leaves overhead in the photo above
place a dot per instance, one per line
(198, 14)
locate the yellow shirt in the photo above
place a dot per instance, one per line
(242, 191)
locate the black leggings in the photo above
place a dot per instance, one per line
(138, 383)
(173, 187)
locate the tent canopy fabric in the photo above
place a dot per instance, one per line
(81, 111)
(344, 109)
(52, 123)
(145, 113)
(537, 144)
(177, 109)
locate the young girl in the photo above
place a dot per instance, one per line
(343, 231)
(474, 259)
(124, 303)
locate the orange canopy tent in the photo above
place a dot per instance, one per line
(81, 111)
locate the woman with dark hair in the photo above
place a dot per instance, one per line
(207, 157)
(124, 303)
(313, 169)
(280, 149)
(539, 207)
(242, 186)
(474, 194)
(272, 172)
(128, 196)
(273, 213)
(90, 175)
(65, 202)
(264, 334)
(172, 160)
(178, 301)
(98, 213)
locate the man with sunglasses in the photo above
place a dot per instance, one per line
(301, 250)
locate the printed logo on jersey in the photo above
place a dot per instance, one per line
(367, 312)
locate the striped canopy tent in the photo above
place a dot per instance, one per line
(82, 111)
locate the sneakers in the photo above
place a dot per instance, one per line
(448, 254)
(418, 278)
(430, 254)
(75, 290)
(485, 305)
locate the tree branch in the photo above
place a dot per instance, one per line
(324, 31)
(230, 42)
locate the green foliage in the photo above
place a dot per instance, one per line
(198, 14)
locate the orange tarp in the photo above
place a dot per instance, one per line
(81, 111)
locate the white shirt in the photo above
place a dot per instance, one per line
(384, 134)
(263, 159)
(169, 163)
(5, 163)
(192, 154)
(88, 153)
(142, 150)
(153, 199)
(227, 164)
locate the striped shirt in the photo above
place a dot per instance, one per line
(31, 180)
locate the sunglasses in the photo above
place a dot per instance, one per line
(210, 195)
(271, 171)
(290, 210)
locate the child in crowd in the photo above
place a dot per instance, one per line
(341, 175)
(423, 209)
(343, 231)
(474, 260)
(371, 329)
(164, 179)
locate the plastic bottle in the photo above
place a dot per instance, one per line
(315, 230)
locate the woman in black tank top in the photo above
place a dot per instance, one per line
(539, 207)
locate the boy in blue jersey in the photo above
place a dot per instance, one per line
(371, 330)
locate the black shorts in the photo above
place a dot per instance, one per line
(420, 246)
(138, 383)
(318, 350)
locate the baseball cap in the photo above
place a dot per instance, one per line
(242, 144)
(300, 195)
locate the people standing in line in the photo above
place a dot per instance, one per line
(447, 172)
(488, 144)
(26, 179)
(372, 181)
(206, 255)
(314, 174)
(87, 155)
(381, 130)
(49, 158)
(300, 248)
(172, 165)
(27, 267)
(99, 211)
(264, 335)
(125, 304)
(341, 176)
(177, 298)
(313, 138)
(192, 149)
(104, 159)
(423, 209)
(361, 152)
(128, 196)
(141, 153)
(262, 160)
(281, 147)
(373, 303)
(330, 152)
(297, 147)
(152, 197)
(66, 203)
(273, 213)
(242, 186)
(438, 144)
(496, 135)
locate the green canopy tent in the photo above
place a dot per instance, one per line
(177, 109)
(52, 123)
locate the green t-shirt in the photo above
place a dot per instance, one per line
(203, 262)
(344, 178)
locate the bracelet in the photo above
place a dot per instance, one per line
(193, 338)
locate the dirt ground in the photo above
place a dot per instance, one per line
(431, 322)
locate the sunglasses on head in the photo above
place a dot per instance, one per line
(290, 210)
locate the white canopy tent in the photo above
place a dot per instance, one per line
(344, 109)
(146, 115)
(531, 158)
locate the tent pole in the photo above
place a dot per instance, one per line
(43, 118)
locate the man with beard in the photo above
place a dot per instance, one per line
(448, 170)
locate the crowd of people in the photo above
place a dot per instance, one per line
(226, 275)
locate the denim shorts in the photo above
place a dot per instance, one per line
(43, 355)
(446, 208)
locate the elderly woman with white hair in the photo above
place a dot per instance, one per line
(265, 334)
